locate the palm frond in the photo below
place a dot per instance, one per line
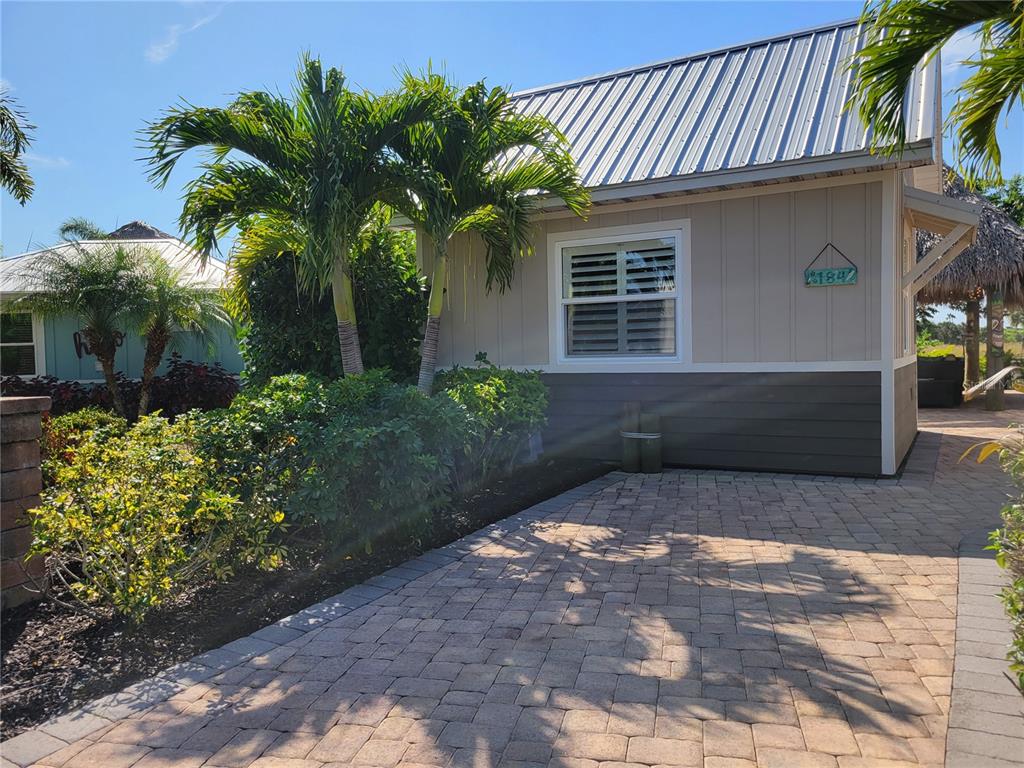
(15, 138)
(994, 87)
(226, 194)
(901, 36)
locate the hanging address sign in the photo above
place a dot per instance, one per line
(830, 276)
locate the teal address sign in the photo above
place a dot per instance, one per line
(821, 278)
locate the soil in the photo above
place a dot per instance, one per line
(55, 659)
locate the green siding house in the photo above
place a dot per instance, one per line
(32, 345)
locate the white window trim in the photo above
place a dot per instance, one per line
(680, 230)
(38, 341)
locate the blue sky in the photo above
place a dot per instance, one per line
(91, 74)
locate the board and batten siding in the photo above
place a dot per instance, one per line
(748, 301)
(64, 363)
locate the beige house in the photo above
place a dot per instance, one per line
(747, 271)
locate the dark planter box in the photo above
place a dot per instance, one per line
(940, 382)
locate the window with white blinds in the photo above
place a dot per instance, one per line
(619, 298)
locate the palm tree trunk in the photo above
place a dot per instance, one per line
(972, 349)
(156, 343)
(105, 353)
(995, 399)
(428, 354)
(345, 311)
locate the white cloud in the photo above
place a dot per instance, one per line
(46, 161)
(160, 50)
(962, 46)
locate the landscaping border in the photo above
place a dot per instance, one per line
(986, 715)
(269, 643)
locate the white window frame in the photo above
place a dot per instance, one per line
(678, 229)
(38, 341)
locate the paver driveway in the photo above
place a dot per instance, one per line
(691, 618)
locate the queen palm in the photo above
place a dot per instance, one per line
(170, 305)
(101, 286)
(481, 167)
(319, 161)
(901, 34)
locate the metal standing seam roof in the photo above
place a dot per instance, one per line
(767, 102)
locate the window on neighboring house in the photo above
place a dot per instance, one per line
(619, 298)
(18, 344)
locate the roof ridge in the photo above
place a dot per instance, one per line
(836, 25)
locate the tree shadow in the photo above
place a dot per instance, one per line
(630, 626)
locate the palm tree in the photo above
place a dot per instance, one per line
(15, 138)
(318, 162)
(480, 168)
(901, 34)
(80, 228)
(171, 305)
(101, 286)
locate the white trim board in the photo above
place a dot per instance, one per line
(630, 366)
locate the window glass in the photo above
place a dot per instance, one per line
(17, 344)
(619, 298)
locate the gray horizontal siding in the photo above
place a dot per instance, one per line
(794, 422)
(905, 397)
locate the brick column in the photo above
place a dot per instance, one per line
(20, 483)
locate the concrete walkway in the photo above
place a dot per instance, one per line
(709, 619)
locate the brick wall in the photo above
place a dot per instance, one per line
(20, 483)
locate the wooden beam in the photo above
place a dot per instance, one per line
(959, 247)
(939, 256)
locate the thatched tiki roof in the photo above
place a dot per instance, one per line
(996, 260)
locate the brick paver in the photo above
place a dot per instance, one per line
(690, 618)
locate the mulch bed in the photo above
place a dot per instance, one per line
(55, 659)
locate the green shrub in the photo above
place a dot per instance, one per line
(505, 408)
(137, 517)
(288, 331)
(1008, 542)
(358, 456)
(63, 434)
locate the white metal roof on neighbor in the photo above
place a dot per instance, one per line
(16, 272)
(768, 102)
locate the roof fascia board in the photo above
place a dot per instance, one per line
(917, 154)
(940, 206)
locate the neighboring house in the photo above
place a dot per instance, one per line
(745, 272)
(32, 345)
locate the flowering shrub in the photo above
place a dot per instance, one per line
(63, 434)
(136, 518)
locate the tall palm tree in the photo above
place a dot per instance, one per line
(101, 286)
(480, 168)
(319, 161)
(15, 138)
(171, 304)
(901, 34)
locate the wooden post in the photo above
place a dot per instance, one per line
(650, 448)
(630, 445)
(995, 398)
(972, 349)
